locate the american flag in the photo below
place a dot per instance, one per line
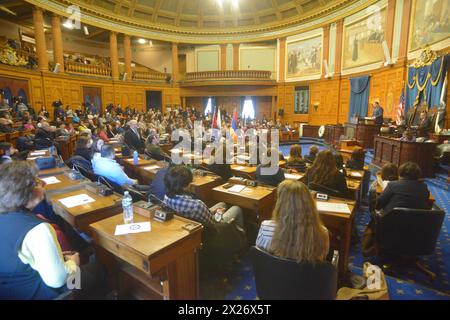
(401, 107)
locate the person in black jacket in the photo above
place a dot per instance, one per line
(408, 192)
(313, 151)
(269, 179)
(424, 125)
(357, 160)
(83, 148)
(133, 137)
(221, 168)
(324, 176)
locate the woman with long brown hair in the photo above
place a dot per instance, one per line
(295, 231)
(324, 175)
(296, 160)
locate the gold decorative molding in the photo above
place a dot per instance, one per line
(149, 29)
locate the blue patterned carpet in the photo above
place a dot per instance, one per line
(236, 281)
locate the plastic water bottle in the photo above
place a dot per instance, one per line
(127, 205)
(135, 157)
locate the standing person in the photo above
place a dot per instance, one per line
(377, 112)
(133, 138)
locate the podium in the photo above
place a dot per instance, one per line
(398, 152)
(362, 132)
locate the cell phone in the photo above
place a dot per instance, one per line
(227, 186)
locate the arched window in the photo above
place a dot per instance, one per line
(248, 111)
(208, 108)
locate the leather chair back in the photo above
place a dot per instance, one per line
(281, 279)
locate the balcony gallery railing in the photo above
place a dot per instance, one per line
(249, 75)
(87, 69)
(150, 76)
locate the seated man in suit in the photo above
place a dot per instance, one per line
(133, 137)
(106, 166)
(407, 192)
(152, 147)
(424, 125)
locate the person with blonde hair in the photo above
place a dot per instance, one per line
(296, 231)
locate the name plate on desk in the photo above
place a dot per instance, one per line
(75, 201)
(132, 228)
(51, 180)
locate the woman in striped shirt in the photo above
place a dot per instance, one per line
(295, 231)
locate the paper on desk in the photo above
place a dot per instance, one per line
(38, 153)
(122, 229)
(332, 207)
(356, 174)
(77, 200)
(50, 180)
(237, 188)
(151, 168)
(239, 168)
(291, 176)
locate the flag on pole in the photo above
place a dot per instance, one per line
(214, 119)
(234, 122)
(401, 107)
(219, 119)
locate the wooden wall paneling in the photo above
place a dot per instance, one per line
(344, 100)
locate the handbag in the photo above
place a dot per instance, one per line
(375, 288)
(45, 163)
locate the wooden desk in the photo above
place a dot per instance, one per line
(202, 187)
(64, 147)
(65, 185)
(12, 137)
(399, 152)
(81, 216)
(440, 138)
(340, 226)
(162, 262)
(363, 133)
(310, 131)
(131, 169)
(52, 171)
(243, 171)
(259, 199)
(145, 174)
(2, 137)
(333, 134)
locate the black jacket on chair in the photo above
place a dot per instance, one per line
(404, 194)
(132, 140)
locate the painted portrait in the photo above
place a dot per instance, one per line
(363, 40)
(430, 23)
(304, 57)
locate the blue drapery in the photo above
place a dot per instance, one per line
(359, 96)
(425, 84)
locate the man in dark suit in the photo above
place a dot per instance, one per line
(133, 137)
(377, 112)
(424, 125)
(408, 192)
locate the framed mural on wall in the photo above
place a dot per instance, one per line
(304, 57)
(363, 40)
(430, 23)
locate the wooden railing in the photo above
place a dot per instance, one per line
(150, 76)
(229, 75)
(87, 69)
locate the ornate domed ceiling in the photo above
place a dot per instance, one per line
(203, 20)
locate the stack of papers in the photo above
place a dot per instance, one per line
(50, 180)
(77, 200)
(291, 176)
(132, 228)
(332, 207)
(38, 153)
(356, 174)
(237, 188)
